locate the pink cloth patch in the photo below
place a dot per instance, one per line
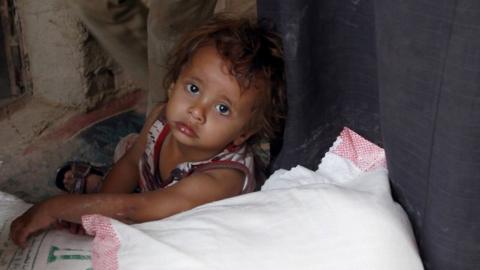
(364, 154)
(105, 244)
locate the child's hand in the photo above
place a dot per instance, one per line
(32, 221)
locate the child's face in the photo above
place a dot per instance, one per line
(207, 110)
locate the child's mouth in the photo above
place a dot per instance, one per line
(185, 129)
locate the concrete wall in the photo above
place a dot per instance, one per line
(53, 39)
(67, 65)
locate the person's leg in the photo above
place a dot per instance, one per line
(94, 179)
(243, 8)
(121, 28)
(167, 21)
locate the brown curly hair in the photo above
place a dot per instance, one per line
(255, 56)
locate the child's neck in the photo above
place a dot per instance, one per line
(183, 153)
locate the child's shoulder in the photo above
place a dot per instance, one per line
(153, 115)
(157, 110)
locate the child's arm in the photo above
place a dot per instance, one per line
(124, 175)
(190, 192)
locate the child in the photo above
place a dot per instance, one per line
(226, 88)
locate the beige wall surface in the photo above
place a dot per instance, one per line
(53, 39)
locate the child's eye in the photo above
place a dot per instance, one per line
(192, 88)
(222, 109)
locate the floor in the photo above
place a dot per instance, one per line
(38, 138)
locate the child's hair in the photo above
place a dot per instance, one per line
(255, 55)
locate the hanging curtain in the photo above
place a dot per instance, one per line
(405, 74)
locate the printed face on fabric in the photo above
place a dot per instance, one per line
(207, 109)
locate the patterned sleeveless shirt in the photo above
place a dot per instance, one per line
(234, 157)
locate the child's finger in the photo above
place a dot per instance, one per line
(21, 236)
(15, 228)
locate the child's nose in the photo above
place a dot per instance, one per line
(197, 112)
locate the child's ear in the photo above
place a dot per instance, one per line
(243, 137)
(170, 90)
